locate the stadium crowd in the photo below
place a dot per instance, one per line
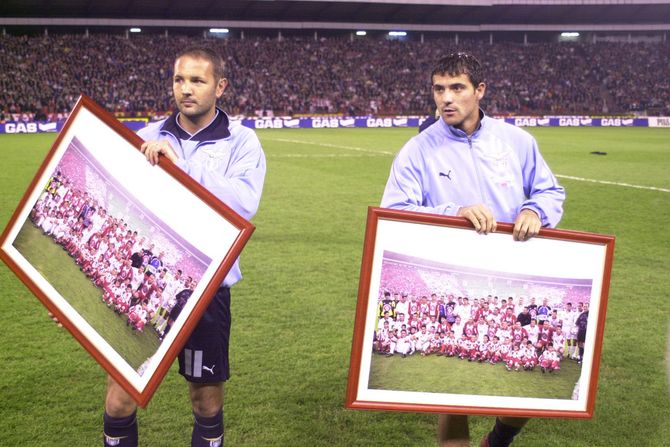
(521, 335)
(133, 277)
(44, 75)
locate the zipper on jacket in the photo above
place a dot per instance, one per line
(477, 172)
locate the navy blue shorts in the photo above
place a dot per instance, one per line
(581, 335)
(204, 358)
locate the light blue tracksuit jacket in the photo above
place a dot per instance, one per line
(226, 158)
(442, 169)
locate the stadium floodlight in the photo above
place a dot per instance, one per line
(569, 34)
(361, 33)
(135, 30)
(397, 33)
(219, 30)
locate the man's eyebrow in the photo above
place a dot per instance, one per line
(449, 84)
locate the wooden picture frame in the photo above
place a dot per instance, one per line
(95, 188)
(418, 254)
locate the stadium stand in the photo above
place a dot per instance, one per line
(44, 75)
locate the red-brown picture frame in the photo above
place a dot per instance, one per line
(198, 232)
(431, 253)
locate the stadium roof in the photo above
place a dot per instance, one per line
(419, 15)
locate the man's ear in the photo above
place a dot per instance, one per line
(221, 87)
(480, 90)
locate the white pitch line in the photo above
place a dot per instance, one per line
(337, 146)
(323, 155)
(606, 182)
(368, 151)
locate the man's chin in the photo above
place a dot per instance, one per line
(189, 109)
(452, 120)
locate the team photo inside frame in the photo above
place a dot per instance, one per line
(437, 271)
(124, 254)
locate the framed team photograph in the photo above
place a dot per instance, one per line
(452, 321)
(125, 255)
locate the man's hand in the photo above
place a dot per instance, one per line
(154, 149)
(481, 217)
(55, 320)
(526, 225)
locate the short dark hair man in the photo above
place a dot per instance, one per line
(228, 160)
(470, 165)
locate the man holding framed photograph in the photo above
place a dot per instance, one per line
(470, 165)
(227, 159)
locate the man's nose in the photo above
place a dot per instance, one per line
(447, 97)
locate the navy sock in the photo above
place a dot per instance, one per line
(207, 431)
(120, 432)
(502, 434)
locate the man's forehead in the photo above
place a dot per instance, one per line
(188, 64)
(447, 79)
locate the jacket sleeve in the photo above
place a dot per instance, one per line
(544, 195)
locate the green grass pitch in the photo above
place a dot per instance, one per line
(435, 374)
(293, 313)
(63, 273)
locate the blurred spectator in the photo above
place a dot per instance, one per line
(44, 75)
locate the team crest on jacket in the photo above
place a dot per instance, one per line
(214, 157)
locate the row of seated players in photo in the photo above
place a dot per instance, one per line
(561, 326)
(133, 280)
(516, 356)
